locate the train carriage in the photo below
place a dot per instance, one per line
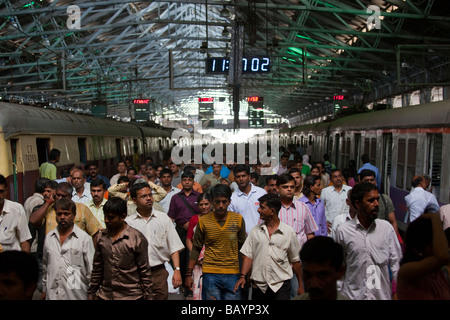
(27, 134)
(401, 142)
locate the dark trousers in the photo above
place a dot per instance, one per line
(282, 294)
(184, 254)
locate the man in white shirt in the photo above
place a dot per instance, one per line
(371, 248)
(81, 189)
(270, 249)
(418, 200)
(68, 257)
(334, 197)
(98, 189)
(245, 200)
(14, 231)
(164, 243)
(166, 184)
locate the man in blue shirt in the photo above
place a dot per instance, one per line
(366, 165)
(93, 174)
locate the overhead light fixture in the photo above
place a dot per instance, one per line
(13, 23)
(225, 13)
(46, 41)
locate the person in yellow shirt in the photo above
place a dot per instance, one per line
(84, 218)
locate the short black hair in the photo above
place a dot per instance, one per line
(414, 183)
(271, 177)
(241, 167)
(187, 174)
(273, 201)
(166, 171)
(116, 206)
(293, 170)
(365, 158)
(136, 187)
(66, 204)
(359, 190)
(321, 250)
(40, 184)
(221, 190)
(66, 187)
(366, 173)
(284, 178)
(308, 182)
(98, 182)
(54, 154)
(123, 179)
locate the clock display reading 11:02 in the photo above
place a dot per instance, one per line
(249, 65)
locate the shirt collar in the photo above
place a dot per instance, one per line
(241, 193)
(359, 225)
(280, 228)
(6, 207)
(292, 205)
(75, 232)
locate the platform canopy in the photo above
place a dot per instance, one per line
(74, 52)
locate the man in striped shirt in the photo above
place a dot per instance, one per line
(222, 232)
(295, 214)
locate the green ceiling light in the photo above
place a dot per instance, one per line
(31, 4)
(297, 51)
(308, 38)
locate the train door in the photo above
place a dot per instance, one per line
(433, 162)
(42, 146)
(82, 150)
(386, 163)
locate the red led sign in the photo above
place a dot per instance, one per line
(254, 99)
(141, 101)
(339, 97)
(205, 99)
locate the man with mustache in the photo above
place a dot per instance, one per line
(68, 257)
(370, 248)
(98, 189)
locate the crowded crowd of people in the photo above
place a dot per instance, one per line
(222, 232)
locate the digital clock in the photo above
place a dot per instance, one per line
(249, 65)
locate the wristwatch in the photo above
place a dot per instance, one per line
(177, 268)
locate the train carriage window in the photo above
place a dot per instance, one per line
(411, 163)
(367, 146)
(346, 152)
(401, 163)
(118, 150)
(337, 151)
(373, 150)
(387, 161)
(43, 151)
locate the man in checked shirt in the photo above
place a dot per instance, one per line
(295, 214)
